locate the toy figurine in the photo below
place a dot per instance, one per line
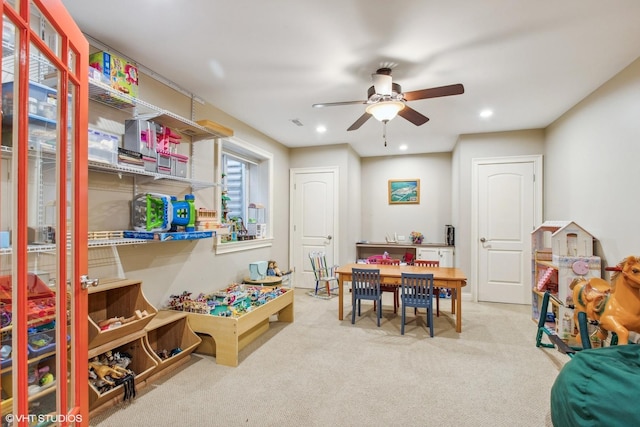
(102, 371)
(273, 270)
(617, 306)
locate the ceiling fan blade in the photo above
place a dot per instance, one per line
(413, 116)
(334, 104)
(356, 125)
(434, 92)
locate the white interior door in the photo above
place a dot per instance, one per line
(508, 201)
(313, 220)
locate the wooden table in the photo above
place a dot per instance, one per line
(232, 334)
(443, 277)
(265, 281)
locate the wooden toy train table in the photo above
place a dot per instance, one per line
(232, 334)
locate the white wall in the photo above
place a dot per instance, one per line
(592, 167)
(429, 217)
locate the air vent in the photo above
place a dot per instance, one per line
(296, 122)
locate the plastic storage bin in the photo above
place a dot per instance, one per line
(42, 342)
(103, 147)
(42, 115)
(6, 352)
(42, 101)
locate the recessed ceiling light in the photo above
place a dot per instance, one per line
(403, 147)
(321, 129)
(486, 113)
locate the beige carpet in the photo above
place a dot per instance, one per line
(319, 371)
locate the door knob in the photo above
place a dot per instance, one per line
(329, 237)
(86, 281)
(482, 239)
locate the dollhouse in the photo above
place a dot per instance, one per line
(561, 251)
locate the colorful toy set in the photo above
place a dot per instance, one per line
(41, 300)
(121, 75)
(170, 162)
(233, 301)
(158, 212)
(157, 144)
(207, 219)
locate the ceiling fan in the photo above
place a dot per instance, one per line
(385, 100)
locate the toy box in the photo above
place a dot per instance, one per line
(258, 270)
(122, 75)
(41, 300)
(179, 164)
(141, 136)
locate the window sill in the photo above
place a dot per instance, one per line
(229, 247)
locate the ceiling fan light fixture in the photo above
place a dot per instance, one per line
(382, 84)
(385, 110)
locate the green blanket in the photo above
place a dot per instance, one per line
(598, 387)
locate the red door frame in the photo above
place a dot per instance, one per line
(71, 75)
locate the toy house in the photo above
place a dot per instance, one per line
(561, 251)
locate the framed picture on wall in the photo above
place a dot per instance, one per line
(404, 191)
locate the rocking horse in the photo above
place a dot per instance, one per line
(615, 307)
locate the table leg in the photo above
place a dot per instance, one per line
(454, 293)
(458, 309)
(340, 298)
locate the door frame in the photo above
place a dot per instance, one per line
(293, 172)
(538, 188)
(72, 401)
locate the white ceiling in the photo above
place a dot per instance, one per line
(267, 62)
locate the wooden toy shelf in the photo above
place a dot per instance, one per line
(142, 363)
(167, 331)
(232, 334)
(140, 338)
(118, 298)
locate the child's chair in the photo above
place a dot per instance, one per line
(323, 273)
(417, 291)
(432, 263)
(391, 288)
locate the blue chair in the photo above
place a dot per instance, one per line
(416, 290)
(432, 263)
(365, 285)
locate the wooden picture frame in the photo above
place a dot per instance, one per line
(404, 191)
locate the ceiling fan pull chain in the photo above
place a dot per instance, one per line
(384, 132)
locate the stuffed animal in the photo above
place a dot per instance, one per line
(273, 270)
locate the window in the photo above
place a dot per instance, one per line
(236, 172)
(248, 177)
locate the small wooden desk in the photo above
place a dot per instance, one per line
(443, 277)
